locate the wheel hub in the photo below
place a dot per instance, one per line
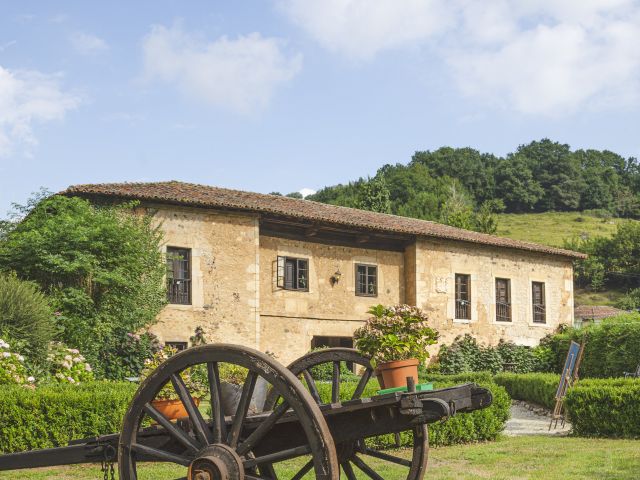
(216, 462)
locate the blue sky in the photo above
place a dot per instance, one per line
(291, 94)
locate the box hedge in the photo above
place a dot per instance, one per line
(538, 388)
(52, 416)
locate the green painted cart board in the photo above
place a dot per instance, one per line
(422, 387)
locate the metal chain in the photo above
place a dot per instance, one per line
(107, 468)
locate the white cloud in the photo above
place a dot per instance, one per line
(544, 57)
(236, 74)
(28, 97)
(305, 192)
(360, 29)
(88, 44)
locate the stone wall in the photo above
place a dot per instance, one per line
(437, 262)
(290, 319)
(225, 295)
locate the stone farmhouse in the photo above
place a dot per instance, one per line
(284, 275)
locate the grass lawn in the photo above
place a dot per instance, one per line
(554, 227)
(548, 458)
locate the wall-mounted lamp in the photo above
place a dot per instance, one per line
(335, 278)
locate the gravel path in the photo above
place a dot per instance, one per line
(529, 420)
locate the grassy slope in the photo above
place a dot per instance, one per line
(552, 229)
(524, 458)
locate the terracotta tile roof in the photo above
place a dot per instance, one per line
(596, 312)
(206, 196)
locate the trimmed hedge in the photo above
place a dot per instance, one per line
(52, 416)
(612, 347)
(605, 409)
(481, 425)
(538, 388)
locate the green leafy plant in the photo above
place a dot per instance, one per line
(12, 368)
(67, 365)
(399, 332)
(26, 318)
(192, 380)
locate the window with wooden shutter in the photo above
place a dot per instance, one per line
(503, 300)
(539, 304)
(366, 280)
(293, 273)
(463, 296)
(179, 275)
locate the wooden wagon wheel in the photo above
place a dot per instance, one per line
(351, 455)
(218, 448)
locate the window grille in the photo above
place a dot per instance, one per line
(503, 300)
(463, 296)
(179, 275)
(539, 305)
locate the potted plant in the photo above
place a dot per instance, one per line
(396, 339)
(167, 400)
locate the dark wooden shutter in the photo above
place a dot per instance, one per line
(289, 274)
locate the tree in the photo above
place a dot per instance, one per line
(516, 185)
(295, 195)
(485, 217)
(101, 267)
(457, 210)
(374, 196)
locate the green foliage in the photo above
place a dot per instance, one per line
(12, 368)
(630, 301)
(538, 388)
(52, 416)
(605, 410)
(541, 176)
(101, 267)
(612, 347)
(393, 333)
(194, 377)
(25, 317)
(67, 365)
(466, 355)
(374, 195)
(324, 371)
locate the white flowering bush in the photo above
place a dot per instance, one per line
(12, 369)
(67, 365)
(399, 332)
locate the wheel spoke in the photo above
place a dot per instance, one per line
(303, 471)
(335, 387)
(217, 415)
(160, 454)
(259, 433)
(385, 456)
(199, 425)
(173, 430)
(278, 456)
(366, 376)
(311, 383)
(267, 469)
(365, 468)
(243, 408)
(348, 471)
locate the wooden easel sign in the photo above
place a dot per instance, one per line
(567, 378)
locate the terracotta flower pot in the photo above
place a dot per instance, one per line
(395, 373)
(173, 409)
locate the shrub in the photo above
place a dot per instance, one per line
(324, 371)
(612, 347)
(67, 365)
(630, 301)
(52, 416)
(538, 388)
(126, 353)
(194, 377)
(466, 355)
(26, 317)
(102, 267)
(12, 369)
(605, 409)
(395, 333)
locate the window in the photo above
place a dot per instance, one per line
(367, 280)
(179, 346)
(463, 296)
(293, 273)
(331, 342)
(503, 300)
(539, 306)
(179, 275)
